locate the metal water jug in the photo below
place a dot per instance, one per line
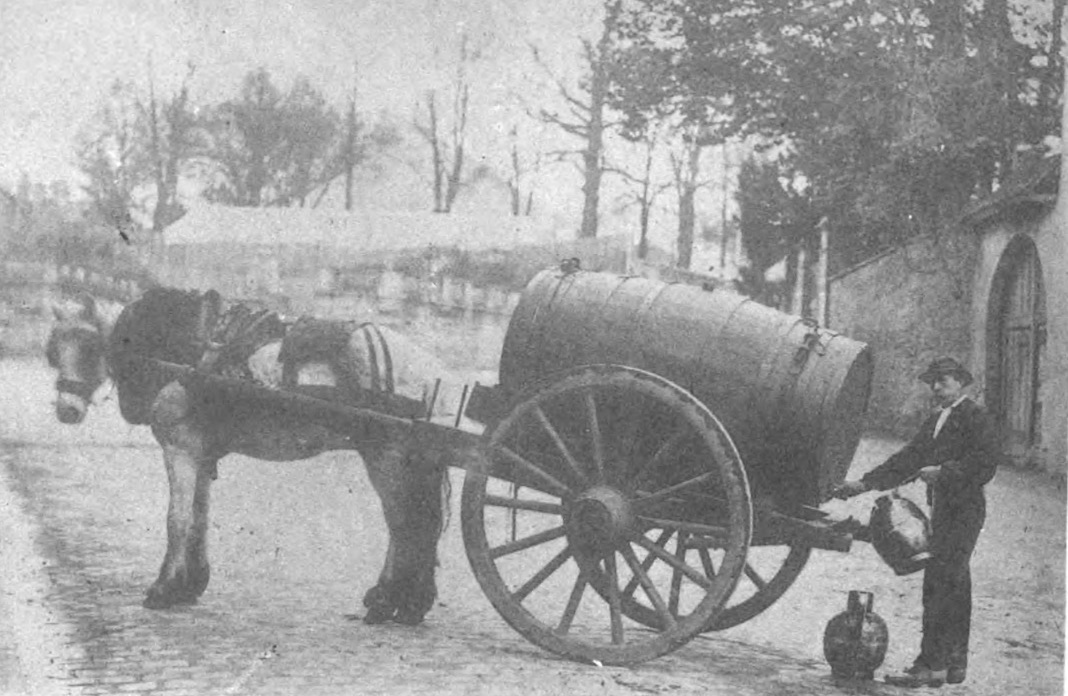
(855, 641)
(900, 533)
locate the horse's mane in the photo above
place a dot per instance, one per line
(162, 325)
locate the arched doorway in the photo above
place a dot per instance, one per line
(1016, 338)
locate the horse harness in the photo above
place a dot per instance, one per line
(93, 348)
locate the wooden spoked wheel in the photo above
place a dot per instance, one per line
(586, 480)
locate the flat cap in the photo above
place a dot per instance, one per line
(946, 366)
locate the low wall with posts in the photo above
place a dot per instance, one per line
(26, 289)
(71, 280)
(462, 323)
(29, 289)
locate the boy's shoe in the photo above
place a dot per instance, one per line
(956, 675)
(917, 676)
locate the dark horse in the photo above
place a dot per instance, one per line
(197, 425)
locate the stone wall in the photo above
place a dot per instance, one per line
(910, 305)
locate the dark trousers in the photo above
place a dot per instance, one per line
(947, 582)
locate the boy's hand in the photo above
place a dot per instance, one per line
(929, 474)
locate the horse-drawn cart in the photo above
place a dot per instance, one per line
(650, 448)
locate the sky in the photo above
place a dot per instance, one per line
(58, 57)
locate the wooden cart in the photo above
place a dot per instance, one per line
(651, 464)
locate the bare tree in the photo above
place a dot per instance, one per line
(357, 144)
(686, 168)
(447, 137)
(110, 152)
(172, 136)
(352, 128)
(643, 189)
(586, 115)
(522, 202)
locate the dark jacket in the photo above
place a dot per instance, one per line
(967, 449)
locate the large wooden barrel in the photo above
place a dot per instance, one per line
(793, 396)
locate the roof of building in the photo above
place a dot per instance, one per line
(367, 230)
(1029, 190)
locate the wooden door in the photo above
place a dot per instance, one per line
(1022, 330)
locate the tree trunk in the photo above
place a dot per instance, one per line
(687, 193)
(435, 152)
(591, 157)
(686, 226)
(591, 191)
(643, 239)
(822, 303)
(350, 153)
(515, 193)
(797, 304)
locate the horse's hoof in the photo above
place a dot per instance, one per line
(167, 602)
(378, 614)
(409, 617)
(156, 599)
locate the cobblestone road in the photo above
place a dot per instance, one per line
(294, 546)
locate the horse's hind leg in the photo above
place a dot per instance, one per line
(185, 571)
(410, 489)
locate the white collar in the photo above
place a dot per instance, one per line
(956, 403)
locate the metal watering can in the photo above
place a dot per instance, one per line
(900, 533)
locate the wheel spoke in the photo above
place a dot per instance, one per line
(572, 463)
(527, 542)
(676, 576)
(551, 481)
(645, 501)
(706, 562)
(647, 563)
(662, 453)
(595, 435)
(520, 504)
(669, 559)
(615, 606)
(718, 534)
(542, 575)
(572, 604)
(650, 589)
(750, 573)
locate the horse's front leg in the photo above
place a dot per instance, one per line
(185, 571)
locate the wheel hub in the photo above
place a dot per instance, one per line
(599, 520)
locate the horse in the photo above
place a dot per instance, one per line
(76, 348)
(196, 425)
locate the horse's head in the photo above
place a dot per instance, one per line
(77, 350)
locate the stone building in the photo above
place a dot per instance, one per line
(994, 293)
